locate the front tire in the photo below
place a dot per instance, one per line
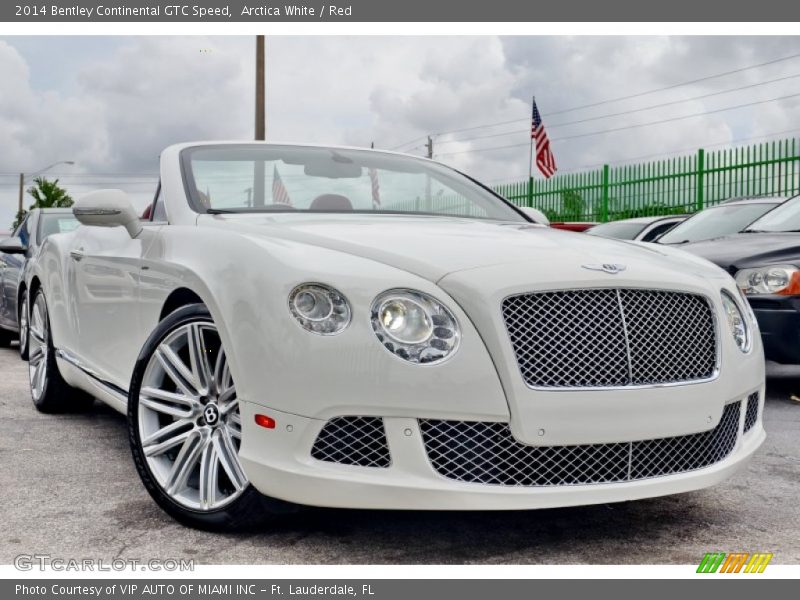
(49, 391)
(185, 429)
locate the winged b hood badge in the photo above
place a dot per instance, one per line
(610, 268)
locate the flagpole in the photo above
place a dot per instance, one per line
(530, 158)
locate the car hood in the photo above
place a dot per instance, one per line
(743, 250)
(433, 247)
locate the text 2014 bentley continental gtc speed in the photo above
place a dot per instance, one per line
(351, 328)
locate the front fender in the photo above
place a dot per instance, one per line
(245, 281)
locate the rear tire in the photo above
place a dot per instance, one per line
(49, 391)
(184, 428)
(23, 320)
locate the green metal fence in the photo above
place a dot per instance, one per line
(673, 186)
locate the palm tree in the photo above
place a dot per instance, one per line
(47, 194)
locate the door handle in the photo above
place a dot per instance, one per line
(77, 254)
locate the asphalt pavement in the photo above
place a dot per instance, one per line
(68, 488)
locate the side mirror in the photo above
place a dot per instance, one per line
(13, 245)
(107, 208)
(535, 214)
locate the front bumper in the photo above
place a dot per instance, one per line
(279, 464)
(779, 320)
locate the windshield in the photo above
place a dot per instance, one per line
(619, 230)
(50, 223)
(717, 221)
(257, 178)
(784, 218)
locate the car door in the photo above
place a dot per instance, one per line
(10, 270)
(106, 265)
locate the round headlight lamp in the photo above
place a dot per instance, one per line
(414, 326)
(737, 323)
(319, 308)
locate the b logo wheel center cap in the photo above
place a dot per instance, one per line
(211, 414)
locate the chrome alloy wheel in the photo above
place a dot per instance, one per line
(39, 347)
(23, 325)
(188, 419)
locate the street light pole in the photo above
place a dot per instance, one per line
(39, 172)
(21, 191)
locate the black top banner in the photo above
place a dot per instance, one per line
(399, 11)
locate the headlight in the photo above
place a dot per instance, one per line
(414, 326)
(774, 279)
(319, 308)
(736, 321)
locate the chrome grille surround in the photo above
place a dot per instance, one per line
(487, 453)
(358, 441)
(612, 337)
(751, 413)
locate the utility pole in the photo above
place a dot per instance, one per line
(259, 168)
(429, 145)
(261, 125)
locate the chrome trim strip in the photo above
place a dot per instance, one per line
(75, 362)
(625, 333)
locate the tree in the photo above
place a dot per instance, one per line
(46, 194)
(572, 204)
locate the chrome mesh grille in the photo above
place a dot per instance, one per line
(487, 453)
(751, 414)
(359, 441)
(611, 337)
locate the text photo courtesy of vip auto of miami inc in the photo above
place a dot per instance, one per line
(400, 300)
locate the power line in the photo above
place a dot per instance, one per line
(630, 96)
(667, 153)
(628, 112)
(634, 126)
(416, 139)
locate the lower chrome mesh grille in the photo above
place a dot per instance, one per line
(359, 441)
(487, 453)
(751, 414)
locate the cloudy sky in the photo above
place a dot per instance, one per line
(111, 104)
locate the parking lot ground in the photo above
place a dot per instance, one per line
(68, 488)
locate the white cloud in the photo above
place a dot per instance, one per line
(113, 111)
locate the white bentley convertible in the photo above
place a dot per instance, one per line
(352, 328)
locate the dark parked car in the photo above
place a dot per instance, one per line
(731, 216)
(15, 252)
(765, 261)
(640, 229)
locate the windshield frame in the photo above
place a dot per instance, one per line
(190, 191)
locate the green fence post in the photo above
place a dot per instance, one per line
(604, 211)
(700, 184)
(530, 191)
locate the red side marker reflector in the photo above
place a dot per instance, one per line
(265, 421)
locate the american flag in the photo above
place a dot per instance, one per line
(279, 193)
(544, 156)
(376, 187)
